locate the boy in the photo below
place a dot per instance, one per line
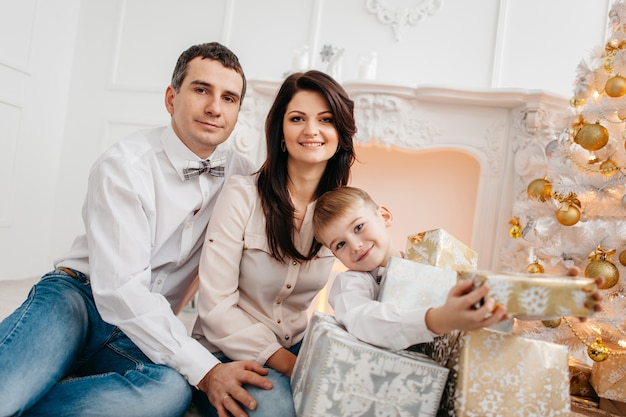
(356, 230)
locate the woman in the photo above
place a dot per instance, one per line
(261, 267)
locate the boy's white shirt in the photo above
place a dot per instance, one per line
(354, 299)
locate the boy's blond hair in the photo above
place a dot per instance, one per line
(336, 203)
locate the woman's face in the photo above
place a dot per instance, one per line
(309, 129)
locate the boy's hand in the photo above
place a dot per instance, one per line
(573, 272)
(459, 312)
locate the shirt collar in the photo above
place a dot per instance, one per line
(178, 153)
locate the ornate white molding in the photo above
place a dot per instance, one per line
(503, 129)
(401, 17)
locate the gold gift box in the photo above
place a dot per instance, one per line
(608, 378)
(506, 375)
(538, 296)
(439, 248)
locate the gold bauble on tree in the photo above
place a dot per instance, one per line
(568, 215)
(534, 268)
(600, 265)
(622, 257)
(569, 212)
(540, 189)
(592, 137)
(515, 231)
(608, 167)
(577, 102)
(615, 86)
(597, 351)
(553, 324)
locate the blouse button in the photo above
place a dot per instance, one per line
(287, 337)
(288, 286)
(278, 321)
(294, 263)
(278, 302)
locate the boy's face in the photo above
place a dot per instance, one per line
(360, 238)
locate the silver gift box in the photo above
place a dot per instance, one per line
(338, 375)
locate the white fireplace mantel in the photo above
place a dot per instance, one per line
(502, 129)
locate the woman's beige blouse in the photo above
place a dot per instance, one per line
(250, 304)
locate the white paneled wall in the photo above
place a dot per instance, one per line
(77, 75)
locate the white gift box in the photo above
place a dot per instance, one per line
(409, 284)
(338, 375)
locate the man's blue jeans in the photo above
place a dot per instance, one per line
(59, 358)
(277, 402)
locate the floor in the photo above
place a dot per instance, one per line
(12, 293)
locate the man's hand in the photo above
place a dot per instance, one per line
(223, 386)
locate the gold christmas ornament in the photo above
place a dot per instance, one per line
(608, 167)
(540, 189)
(553, 324)
(534, 268)
(600, 265)
(615, 86)
(577, 102)
(515, 231)
(622, 257)
(568, 214)
(592, 137)
(597, 351)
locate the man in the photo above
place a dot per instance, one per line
(99, 336)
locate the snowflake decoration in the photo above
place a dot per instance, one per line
(327, 53)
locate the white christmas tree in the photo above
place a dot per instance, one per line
(574, 213)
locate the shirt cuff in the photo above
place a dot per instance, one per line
(194, 361)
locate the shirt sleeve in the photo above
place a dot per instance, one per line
(237, 333)
(119, 235)
(353, 299)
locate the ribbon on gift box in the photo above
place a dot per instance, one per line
(439, 248)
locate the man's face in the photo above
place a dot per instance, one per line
(205, 109)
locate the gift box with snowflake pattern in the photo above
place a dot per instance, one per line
(444, 350)
(538, 296)
(411, 285)
(608, 377)
(504, 375)
(439, 248)
(338, 375)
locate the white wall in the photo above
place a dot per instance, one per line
(76, 75)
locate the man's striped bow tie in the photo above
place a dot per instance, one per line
(214, 167)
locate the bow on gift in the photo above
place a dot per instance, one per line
(214, 167)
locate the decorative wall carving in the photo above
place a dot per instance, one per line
(401, 17)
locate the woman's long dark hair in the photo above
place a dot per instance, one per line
(272, 180)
